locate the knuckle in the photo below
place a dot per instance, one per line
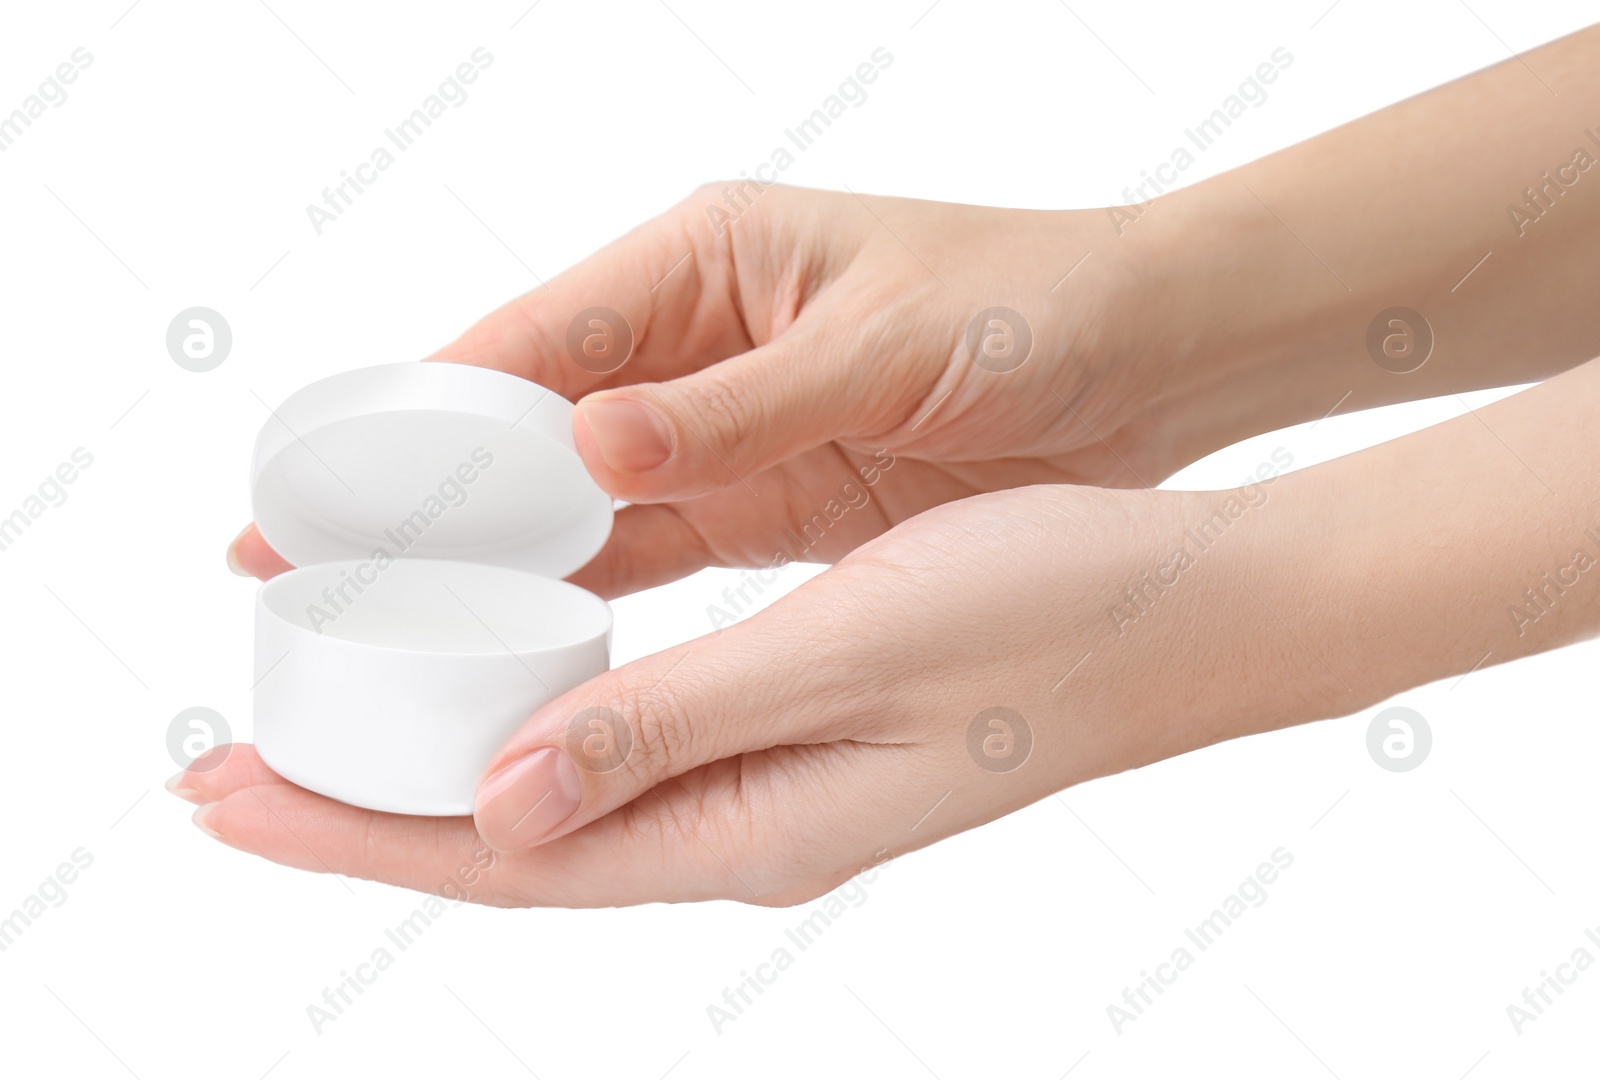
(721, 191)
(599, 739)
(726, 413)
(708, 189)
(717, 213)
(662, 732)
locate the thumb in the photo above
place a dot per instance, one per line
(720, 426)
(613, 739)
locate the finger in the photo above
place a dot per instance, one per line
(670, 305)
(814, 508)
(221, 771)
(251, 556)
(670, 847)
(297, 828)
(820, 815)
(648, 546)
(772, 680)
(717, 428)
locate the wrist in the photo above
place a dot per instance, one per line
(1325, 583)
(1215, 609)
(1282, 615)
(1257, 607)
(1233, 334)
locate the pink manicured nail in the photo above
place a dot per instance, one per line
(631, 436)
(199, 819)
(176, 786)
(233, 555)
(523, 802)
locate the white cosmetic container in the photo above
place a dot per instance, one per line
(430, 510)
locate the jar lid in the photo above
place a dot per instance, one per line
(427, 460)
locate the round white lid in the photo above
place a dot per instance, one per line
(427, 460)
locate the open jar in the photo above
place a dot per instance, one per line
(430, 511)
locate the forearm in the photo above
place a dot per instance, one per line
(1464, 545)
(1269, 276)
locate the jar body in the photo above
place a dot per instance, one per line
(391, 687)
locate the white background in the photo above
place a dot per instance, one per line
(187, 153)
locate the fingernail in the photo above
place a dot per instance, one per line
(175, 785)
(199, 819)
(233, 555)
(523, 802)
(632, 437)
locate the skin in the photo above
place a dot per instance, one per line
(996, 563)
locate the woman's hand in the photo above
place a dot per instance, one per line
(780, 338)
(990, 652)
(764, 361)
(775, 357)
(964, 665)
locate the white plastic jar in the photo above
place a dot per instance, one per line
(430, 511)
